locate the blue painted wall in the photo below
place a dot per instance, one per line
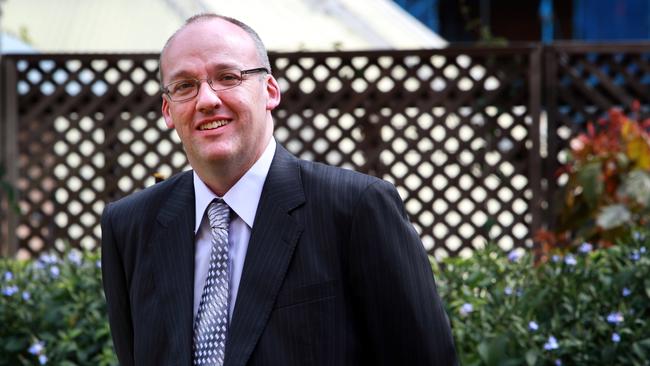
(602, 20)
(426, 11)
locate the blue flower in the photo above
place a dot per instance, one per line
(98, 264)
(54, 271)
(615, 337)
(75, 257)
(36, 348)
(638, 236)
(507, 290)
(42, 359)
(626, 292)
(558, 362)
(48, 258)
(642, 250)
(8, 276)
(615, 318)
(585, 248)
(556, 258)
(466, 309)
(26, 295)
(635, 256)
(570, 260)
(551, 344)
(514, 256)
(8, 291)
(533, 326)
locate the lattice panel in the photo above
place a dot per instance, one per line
(584, 82)
(89, 132)
(450, 128)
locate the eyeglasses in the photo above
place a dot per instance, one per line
(184, 90)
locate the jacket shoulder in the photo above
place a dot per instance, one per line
(336, 178)
(149, 198)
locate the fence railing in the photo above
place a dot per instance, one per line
(470, 136)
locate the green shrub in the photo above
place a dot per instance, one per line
(53, 311)
(590, 307)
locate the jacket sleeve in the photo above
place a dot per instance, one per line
(116, 290)
(394, 290)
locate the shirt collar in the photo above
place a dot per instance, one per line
(244, 196)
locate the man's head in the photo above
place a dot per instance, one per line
(223, 132)
(259, 45)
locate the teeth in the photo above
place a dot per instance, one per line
(213, 124)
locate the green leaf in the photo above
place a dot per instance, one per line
(15, 344)
(493, 352)
(531, 357)
(591, 181)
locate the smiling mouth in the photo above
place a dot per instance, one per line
(212, 125)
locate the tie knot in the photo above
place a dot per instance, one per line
(218, 214)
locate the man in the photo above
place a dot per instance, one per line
(314, 265)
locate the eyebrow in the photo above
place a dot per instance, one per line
(184, 74)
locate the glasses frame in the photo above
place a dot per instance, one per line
(165, 89)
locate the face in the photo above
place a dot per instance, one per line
(225, 130)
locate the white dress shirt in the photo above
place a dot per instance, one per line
(243, 199)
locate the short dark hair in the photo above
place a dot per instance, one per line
(259, 45)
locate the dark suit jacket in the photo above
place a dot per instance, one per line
(334, 275)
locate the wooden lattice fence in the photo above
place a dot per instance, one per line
(457, 130)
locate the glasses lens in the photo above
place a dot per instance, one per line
(183, 89)
(226, 79)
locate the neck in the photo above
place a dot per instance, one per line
(220, 176)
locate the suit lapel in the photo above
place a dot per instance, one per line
(273, 239)
(173, 266)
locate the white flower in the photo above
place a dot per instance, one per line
(636, 185)
(613, 216)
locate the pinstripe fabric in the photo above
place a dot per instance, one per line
(335, 275)
(148, 272)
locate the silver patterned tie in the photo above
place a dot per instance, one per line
(211, 323)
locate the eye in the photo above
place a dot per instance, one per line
(182, 86)
(228, 77)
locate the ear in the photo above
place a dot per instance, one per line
(273, 92)
(165, 112)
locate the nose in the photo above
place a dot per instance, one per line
(207, 99)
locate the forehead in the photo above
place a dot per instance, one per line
(206, 44)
